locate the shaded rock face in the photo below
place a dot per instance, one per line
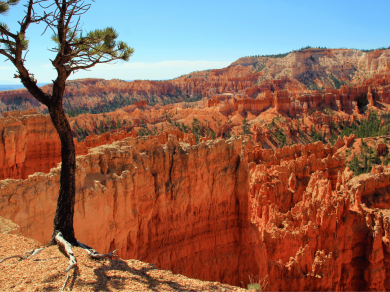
(223, 210)
(29, 143)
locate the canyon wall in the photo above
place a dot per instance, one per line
(223, 210)
(341, 63)
(181, 207)
(317, 232)
(257, 100)
(29, 143)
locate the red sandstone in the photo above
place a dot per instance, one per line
(224, 210)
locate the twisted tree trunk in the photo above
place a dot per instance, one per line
(63, 220)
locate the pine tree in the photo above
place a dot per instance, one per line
(75, 50)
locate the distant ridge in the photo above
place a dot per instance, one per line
(4, 87)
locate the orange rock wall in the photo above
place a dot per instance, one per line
(344, 99)
(223, 210)
(317, 232)
(29, 143)
(181, 207)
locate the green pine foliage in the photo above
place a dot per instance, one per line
(282, 55)
(371, 127)
(316, 136)
(371, 50)
(368, 127)
(245, 127)
(280, 137)
(101, 127)
(363, 162)
(105, 106)
(120, 101)
(196, 129)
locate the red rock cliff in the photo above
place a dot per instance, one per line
(181, 207)
(223, 210)
(29, 143)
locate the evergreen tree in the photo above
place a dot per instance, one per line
(75, 50)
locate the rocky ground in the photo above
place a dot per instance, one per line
(45, 271)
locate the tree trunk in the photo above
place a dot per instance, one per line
(63, 220)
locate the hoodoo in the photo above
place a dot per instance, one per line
(223, 210)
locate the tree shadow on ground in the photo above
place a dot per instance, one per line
(62, 275)
(105, 282)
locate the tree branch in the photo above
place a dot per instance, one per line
(7, 33)
(3, 52)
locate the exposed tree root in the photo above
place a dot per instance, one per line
(66, 281)
(12, 257)
(95, 255)
(26, 255)
(42, 260)
(68, 250)
(13, 286)
(33, 252)
(72, 260)
(67, 247)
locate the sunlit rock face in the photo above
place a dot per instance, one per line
(297, 72)
(179, 206)
(223, 210)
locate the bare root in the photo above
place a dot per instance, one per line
(26, 255)
(67, 247)
(13, 286)
(68, 250)
(12, 257)
(66, 281)
(95, 255)
(33, 252)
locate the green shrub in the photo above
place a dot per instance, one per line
(257, 285)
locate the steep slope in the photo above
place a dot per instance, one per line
(29, 142)
(323, 67)
(224, 210)
(323, 228)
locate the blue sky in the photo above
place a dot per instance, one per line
(172, 38)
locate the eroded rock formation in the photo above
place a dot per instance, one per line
(297, 72)
(317, 232)
(179, 206)
(223, 210)
(29, 143)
